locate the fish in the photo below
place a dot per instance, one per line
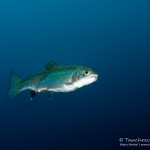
(54, 78)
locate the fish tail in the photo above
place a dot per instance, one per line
(15, 85)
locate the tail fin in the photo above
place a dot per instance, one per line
(15, 86)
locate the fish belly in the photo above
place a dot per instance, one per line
(62, 88)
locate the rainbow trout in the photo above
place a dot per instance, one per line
(55, 78)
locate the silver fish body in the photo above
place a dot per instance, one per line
(54, 78)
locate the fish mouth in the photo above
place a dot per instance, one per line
(87, 80)
(94, 77)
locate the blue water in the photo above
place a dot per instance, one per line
(112, 37)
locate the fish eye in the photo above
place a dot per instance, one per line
(86, 72)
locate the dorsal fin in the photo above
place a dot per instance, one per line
(50, 65)
(29, 76)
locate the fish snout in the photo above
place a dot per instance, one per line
(95, 76)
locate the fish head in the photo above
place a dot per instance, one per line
(86, 76)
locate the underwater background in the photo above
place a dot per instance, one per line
(109, 36)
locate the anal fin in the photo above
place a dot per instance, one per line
(32, 94)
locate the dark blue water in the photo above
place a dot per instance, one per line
(112, 37)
